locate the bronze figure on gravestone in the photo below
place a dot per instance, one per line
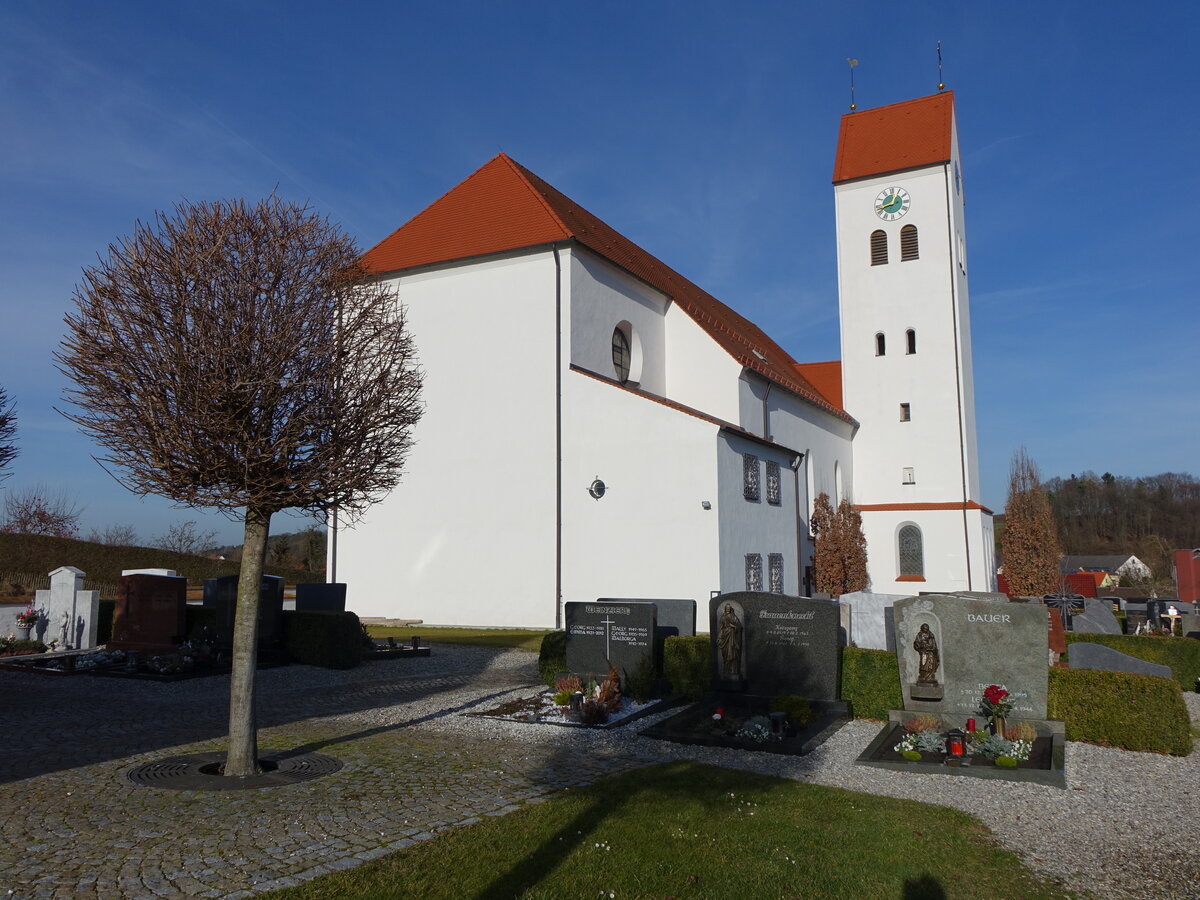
(729, 639)
(926, 646)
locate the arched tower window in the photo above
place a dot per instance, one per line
(910, 338)
(912, 550)
(879, 247)
(908, 243)
(880, 344)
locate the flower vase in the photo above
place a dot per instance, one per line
(998, 726)
(23, 632)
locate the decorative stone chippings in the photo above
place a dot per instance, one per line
(72, 825)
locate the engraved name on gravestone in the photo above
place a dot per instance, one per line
(770, 644)
(975, 643)
(604, 634)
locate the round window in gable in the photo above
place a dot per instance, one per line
(621, 356)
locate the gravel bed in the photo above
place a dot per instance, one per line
(1125, 826)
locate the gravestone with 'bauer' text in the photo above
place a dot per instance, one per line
(967, 645)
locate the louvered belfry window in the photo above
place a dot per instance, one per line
(912, 551)
(879, 247)
(908, 243)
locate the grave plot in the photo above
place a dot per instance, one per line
(974, 677)
(776, 676)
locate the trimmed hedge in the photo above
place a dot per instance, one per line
(552, 657)
(687, 665)
(331, 640)
(871, 682)
(1120, 709)
(1181, 654)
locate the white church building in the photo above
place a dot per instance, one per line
(597, 425)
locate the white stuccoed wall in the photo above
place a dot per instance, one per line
(469, 536)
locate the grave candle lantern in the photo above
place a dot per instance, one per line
(955, 747)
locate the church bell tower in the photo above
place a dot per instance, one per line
(906, 348)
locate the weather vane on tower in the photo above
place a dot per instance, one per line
(941, 84)
(853, 63)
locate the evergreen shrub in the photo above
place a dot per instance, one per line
(687, 664)
(331, 640)
(871, 682)
(552, 657)
(1120, 709)
(1181, 654)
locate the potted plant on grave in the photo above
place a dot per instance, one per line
(996, 705)
(25, 622)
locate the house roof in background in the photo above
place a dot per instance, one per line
(1101, 563)
(896, 137)
(503, 206)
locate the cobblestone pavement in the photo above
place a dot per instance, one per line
(73, 825)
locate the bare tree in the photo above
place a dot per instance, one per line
(1031, 548)
(182, 537)
(840, 548)
(8, 433)
(115, 536)
(235, 356)
(37, 510)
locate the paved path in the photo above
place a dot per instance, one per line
(73, 825)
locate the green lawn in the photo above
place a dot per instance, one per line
(684, 830)
(479, 637)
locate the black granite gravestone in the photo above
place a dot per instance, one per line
(321, 597)
(770, 644)
(675, 617)
(221, 593)
(1085, 655)
(600, 635)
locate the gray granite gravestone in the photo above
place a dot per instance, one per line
(1085, 655)
(676, 618)
(221, 593)
(330, 597)
(871, 623)
(1191, 625)
(1097, 618)
(600, 635)
(770, 644)
(69, 614)
(975, 643)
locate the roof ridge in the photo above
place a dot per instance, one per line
(521, 172)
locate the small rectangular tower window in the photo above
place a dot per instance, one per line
(905, 412)
(909, 478)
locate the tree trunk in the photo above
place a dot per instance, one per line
(243, 728)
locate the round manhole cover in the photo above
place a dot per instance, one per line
(205, 771)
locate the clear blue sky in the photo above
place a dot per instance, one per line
(704, 131)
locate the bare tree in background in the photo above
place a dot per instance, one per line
(1031, 548)
(8, 432)
(840, 548)
(38, 510)
(182, 537)
(115, 536)
(234, 355)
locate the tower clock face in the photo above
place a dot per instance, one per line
(892, 203)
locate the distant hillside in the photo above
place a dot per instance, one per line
(29, 556)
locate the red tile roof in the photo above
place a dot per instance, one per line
(826, 377)
(890, 138)
(504, 206)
